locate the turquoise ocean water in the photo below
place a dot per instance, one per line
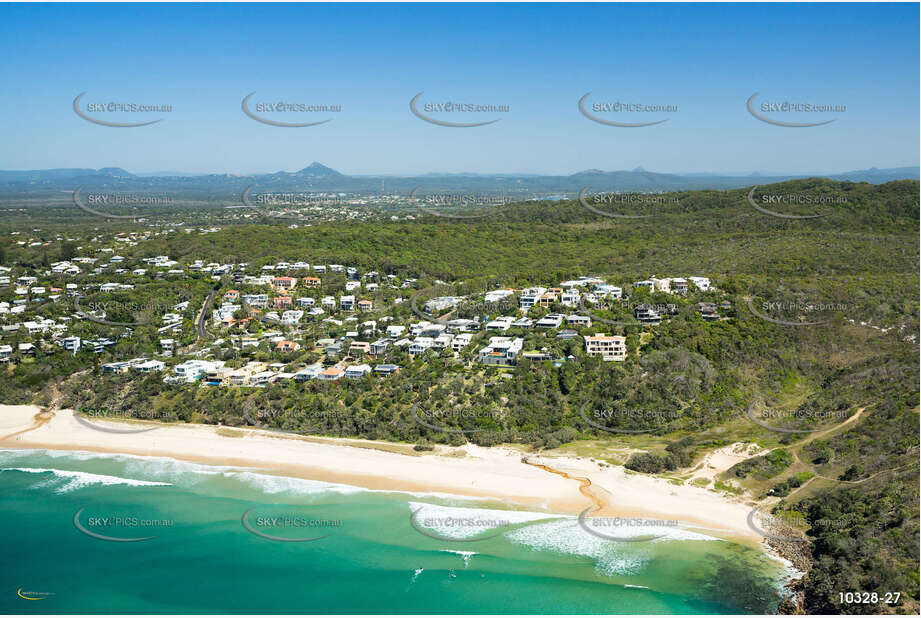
(461, 556)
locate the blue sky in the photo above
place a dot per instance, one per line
(537, 59)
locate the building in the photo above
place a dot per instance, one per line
(578, 320)
(284, 283)
(359, 348)
(365, 305)
(312, 282)
(502, 323)
(149, 366)
(347, 302)
(461, 341)
(551, 320)
(702, 283)
(608, 347)
(331, 374)
(287, 346)
(386, 369)
(282, 302)
(647, 314)
(501, 351)
(355, 372)
(530, 297)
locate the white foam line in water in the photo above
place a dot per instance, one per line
(466, 555)
(83, 479)
(459, 522)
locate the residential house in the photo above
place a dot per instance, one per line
(530, 297)
(501, 351)
(578, 320)
(421, 344)
(608, 347)
(331, 374)
(359, 348)
(380, 346)
(461, 341)
(355, 372)
(551, 320)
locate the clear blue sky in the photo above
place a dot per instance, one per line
(538, 59)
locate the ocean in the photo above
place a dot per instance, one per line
(189, 538)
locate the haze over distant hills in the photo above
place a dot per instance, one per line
(318, 177)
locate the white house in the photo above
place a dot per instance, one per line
(501, 351)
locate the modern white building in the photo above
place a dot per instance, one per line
(609, 348)
(501, 351)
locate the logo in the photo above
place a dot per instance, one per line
(793, 414)
(462, 524)
(786, 107)
(31, 595)
(282, 106)
(118, 522)
(633, 415)
(623, 107)
(459, 200)
(621, 522)
(117, 107)
(78, 416)
(286, 521)
(452, 107)
(772, 522)
(803, 199)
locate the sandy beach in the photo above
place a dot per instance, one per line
(558, 484)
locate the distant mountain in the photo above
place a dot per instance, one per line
(318, 177)
(115, 171)
(318, 170)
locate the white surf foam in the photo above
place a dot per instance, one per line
(466, 522)
(77, 480)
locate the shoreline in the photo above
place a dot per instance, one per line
(499, 474)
